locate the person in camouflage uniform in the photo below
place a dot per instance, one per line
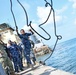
(4, 60)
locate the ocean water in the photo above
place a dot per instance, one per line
(64, 56)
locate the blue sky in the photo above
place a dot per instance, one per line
(65, 17)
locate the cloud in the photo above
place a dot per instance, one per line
(35, 26)
(43, 12)
(74, 3)
(61, 10)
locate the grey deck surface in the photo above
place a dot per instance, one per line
(43, 70)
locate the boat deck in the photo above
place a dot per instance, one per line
(43, 70)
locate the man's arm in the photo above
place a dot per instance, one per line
(29, 34)
(18, 33)
(17, 30)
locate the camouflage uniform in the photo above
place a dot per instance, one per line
(4, 60)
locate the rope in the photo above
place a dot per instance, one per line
(58, 37)
(24, 12)
(13, 14)
(49, 37)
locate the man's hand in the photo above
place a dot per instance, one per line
(17, 30)
(31, 31)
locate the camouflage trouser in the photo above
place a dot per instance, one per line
(2, 72)
(6, 63)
